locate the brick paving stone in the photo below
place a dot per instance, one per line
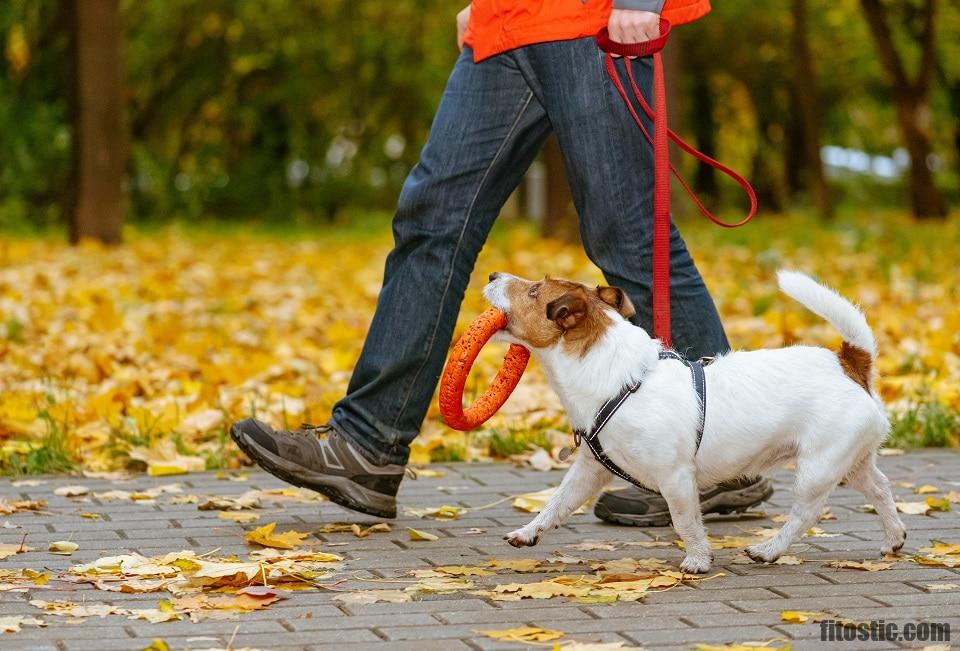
(744, 604)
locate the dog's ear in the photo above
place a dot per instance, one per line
(617, 299)
(568, 310)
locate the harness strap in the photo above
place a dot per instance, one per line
(610, 407)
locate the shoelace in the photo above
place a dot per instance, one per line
(316, 430)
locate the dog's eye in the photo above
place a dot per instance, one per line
(534, 290)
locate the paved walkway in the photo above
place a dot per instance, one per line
(743, 605)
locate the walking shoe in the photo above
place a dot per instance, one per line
(323, 460)
(645, 508)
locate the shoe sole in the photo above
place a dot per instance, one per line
(336, 489)
(724, 503)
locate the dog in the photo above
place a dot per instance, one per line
(810, 406)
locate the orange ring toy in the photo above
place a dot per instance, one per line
(461, 360)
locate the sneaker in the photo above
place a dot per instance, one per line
(323, 460)
(645, 508)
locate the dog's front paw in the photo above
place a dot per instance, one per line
(894, 544)
(696, 563)
(762, 552)
(523, 537)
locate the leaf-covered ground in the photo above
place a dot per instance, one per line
(139, 356)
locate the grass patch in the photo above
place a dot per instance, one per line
(448, 453)
(49, 455)
(507, 444)
(925, 425)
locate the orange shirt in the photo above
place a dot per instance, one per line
(499, 25)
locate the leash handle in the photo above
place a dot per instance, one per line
(645, 49)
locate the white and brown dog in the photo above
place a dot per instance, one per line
(801, 404)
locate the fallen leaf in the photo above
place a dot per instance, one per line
(788, 560)
(68, 609)
(913, 508)
(869, 566)
(942, 504)
(802, 616)
(926, 489)
(13, 624)
(264, 536)
(243, 517)
(952, 496)
(534, 502)
(523, 634)
(8, 507)
(594, 545)
(540, 460)
(439, 512)
(153, 615)
(463, 570)
(428, 472)
(515, 564)
(71, 491)
(890, 452)
(373, 596)
(363, 532)
(421, 535)
(64, 547)
(942, 586)
(163, 459)
(9, 550)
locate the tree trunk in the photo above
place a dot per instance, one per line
(808, 103)
(704, 130)
(911, 99)
(560, 222)
(99, 135)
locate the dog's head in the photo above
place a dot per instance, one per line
(545, 312)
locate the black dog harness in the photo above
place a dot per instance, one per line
(610, 407)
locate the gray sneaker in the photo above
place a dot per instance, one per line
(322, 459)
(646, 508)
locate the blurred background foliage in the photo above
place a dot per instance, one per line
(305, 111)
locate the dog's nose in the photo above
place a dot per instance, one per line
(494, 276)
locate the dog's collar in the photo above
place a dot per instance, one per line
(610, 407)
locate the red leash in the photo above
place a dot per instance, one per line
(662, 165)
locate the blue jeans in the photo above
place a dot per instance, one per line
(493, 119)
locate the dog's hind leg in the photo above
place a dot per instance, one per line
(683, 499)
(867, 478)
(584, 479)
(814, 481)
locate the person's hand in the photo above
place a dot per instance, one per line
(632, 26)
(462, 19)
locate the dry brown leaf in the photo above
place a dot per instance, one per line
(868, 566)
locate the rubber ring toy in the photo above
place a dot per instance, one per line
(461, 360)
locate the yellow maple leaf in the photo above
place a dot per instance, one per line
(523, 634)
(515, 564)
(265, 536)
(802, 616)
(416, 534)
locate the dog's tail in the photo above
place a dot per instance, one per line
(859, 349)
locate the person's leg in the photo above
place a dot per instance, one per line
(610, 167)
(487, 130)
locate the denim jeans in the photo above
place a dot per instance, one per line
(492, 120)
